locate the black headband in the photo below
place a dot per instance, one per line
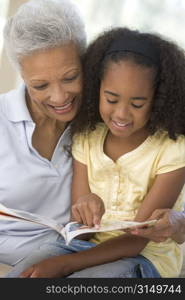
(139, 46)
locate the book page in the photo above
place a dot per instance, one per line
(20, 215)
(74, 229)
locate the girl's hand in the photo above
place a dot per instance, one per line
(48, 268)
(170, 224)
(88, 210)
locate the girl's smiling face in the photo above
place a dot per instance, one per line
(126, 95)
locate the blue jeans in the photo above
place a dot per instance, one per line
(134, 267)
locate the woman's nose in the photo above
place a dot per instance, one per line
(58, 95)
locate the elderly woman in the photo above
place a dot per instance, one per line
(45, 41)
(34, 120)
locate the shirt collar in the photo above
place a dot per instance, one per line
(15, 106)
(16, 109)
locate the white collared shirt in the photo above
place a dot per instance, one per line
(29, 181)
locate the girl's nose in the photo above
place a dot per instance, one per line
(122, 113)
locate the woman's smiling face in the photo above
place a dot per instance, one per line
(54, 81)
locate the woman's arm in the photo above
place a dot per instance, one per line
(171, 224)
(163, 193)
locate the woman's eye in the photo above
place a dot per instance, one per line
(137, 106)
(40, 87)
(71, 78)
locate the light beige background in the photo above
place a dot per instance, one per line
(165, 17)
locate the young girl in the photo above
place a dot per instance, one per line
(129, 155)
(134, 159)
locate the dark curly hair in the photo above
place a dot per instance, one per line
(168, 109)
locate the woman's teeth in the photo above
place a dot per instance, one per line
(62, 107)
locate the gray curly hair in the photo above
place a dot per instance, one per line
(41, 25)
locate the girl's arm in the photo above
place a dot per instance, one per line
(163, 193)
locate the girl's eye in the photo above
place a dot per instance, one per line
(40, 87)
(111, 101)
(137, 106)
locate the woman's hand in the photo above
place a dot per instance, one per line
(170, 224)
(88, 210)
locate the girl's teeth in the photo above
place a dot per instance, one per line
(120, 124)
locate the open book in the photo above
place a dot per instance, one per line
(70, 230)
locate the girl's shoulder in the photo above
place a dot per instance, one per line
(90, 135)
(84, 142)
(165, 144)
(163, 138)
(170, 154)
